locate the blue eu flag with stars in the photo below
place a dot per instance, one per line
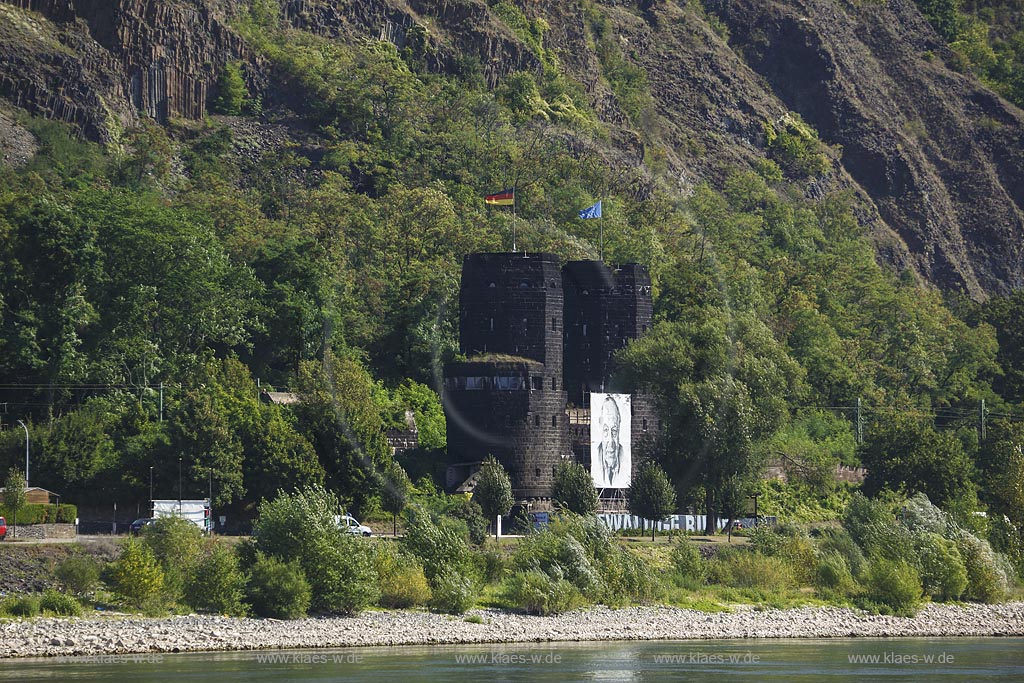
(591, 211)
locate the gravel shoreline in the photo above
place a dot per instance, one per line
(91, 636)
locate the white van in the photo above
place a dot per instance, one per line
(350, 525)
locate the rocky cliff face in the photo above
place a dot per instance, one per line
(939, 154)
(101, 63)
(936, 159)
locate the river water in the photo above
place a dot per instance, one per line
(947, 660)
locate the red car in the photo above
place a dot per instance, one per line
(3, 528)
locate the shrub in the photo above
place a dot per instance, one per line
(447, 562)
(554, 551)
(217, 584)
(754, 570)
(765, 539)
(451, 592)
(686, 560)
(794, 145)
(136, 575)
(38, 513)
(839, 541)
(342, 575)
(437, 543)
(21, 605)
(78, 574)
(407, 587)
(469, 511)
(278, 589)
(60, 604)
(339, 568)
(492, 566)
(986, 580)
(798, 551)
(536, 592)
(943, 573)
(832, 576)
(893, 586)
(864, 518)
(919, 514)
(176, 544)
(627, 578)
(402, 582)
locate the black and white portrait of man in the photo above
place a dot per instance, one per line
(609, 440)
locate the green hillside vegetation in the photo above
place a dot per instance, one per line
(987, 37)
(316, 246)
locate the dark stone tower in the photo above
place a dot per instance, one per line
(508, 398)
(604, 309)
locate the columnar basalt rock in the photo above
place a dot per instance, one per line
(99, 64)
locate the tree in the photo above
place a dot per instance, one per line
(394, 495)
(574, 488)
(341, 416)
(14, 494)
(722, 386)
(493, 490)
(136, 575)
(903, 454)
(650, 495)
(230, 91)
(1002, 464)
(339, 567)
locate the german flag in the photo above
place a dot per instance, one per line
(506, 197)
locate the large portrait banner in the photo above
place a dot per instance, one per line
(610, 458)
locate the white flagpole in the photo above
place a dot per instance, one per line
(513, 219)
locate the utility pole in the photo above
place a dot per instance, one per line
(981, 420)
(26, 451)
(210, 502)
(860, 423)
(151, 491)
(161, 409)
(179, 486)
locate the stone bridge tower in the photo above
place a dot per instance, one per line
(508, 398)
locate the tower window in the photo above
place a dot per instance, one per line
(554, 420)
(645, 424)
(492, 324)
(491, 285)
(538, 383)
(536, 420)
(584, 329)
(524, 284)
(524, 324)
(554, 386)
(554, 323)
(536, 473)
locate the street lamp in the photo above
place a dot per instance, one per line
(26, 451)
(210, 501)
